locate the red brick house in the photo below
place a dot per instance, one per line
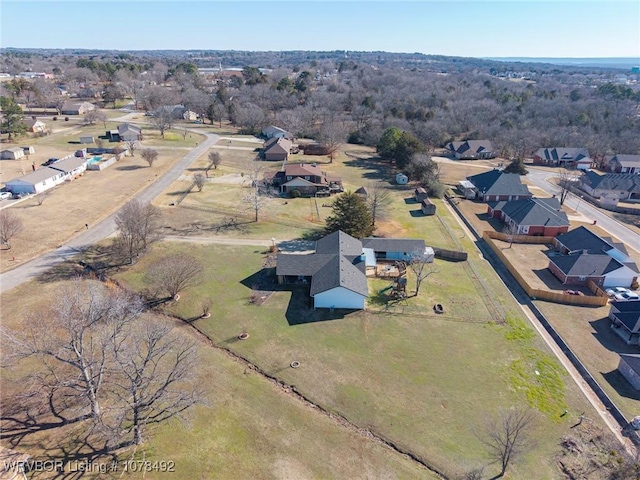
(532, 216)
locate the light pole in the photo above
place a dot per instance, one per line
(579, 200)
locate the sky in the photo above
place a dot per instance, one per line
(473, 28)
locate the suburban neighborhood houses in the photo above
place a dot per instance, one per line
(330, 264)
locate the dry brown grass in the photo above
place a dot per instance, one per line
(88, 199)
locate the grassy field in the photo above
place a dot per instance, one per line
(423, 381)
(248, 429)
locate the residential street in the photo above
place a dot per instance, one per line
(102, 230)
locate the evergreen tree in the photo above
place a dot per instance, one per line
(352, 215)
(12, 118)
(516, 166)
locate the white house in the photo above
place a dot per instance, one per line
(276, 132)
(71, 166)
(42, 179)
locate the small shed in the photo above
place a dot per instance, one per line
(28, 150)
(363, 192)
(629, 367)
(87, 139)
(420, 194)
(402, 179)
(12, 153)
(427, 207)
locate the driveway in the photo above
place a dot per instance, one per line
(102, 230)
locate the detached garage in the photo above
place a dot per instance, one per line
(13, 153)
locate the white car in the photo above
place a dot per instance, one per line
(612, 292)
(5, 195)
(624, 296)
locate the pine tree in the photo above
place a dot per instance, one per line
(352, 215)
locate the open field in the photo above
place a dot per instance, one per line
(249, 429)
(394, 372)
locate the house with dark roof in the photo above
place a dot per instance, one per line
(621, 186)
(563, 157)
(471, 149)
(277, 148)
(624, 164)
(307, 179)
(629, 367)
(337, 271)
(532, 216)
(585, 256)
(496, 185)
(625, 321)
(126, 132)
(276, 132)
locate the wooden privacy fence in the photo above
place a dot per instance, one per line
(519, 238)
(536, 293)
(454, 255)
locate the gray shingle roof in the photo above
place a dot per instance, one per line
(534, 212)
(563, 154)
(629, 320)
(68, 164)
(38, 176)
(629, 182)
(582, 238)
(633, 360)
(586, 265)
(496, 182)
(632, 306)
(475, 146)
(337, 262)
(626, 160)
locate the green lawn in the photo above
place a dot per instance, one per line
(423, 381)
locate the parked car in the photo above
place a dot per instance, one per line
(18, 195)
(622, 297)
(5, 195)
(49, 162)
(612, 292)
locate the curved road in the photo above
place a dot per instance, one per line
(630, 238)
(37, 266)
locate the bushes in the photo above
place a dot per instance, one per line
(295, 193)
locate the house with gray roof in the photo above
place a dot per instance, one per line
(582, 256)
(471, 149)
(496, 185)
(563, 157)
(629, 367)
(76, 108)
(624, 164)
(38, 181)
(625, 321)
(621, 186)
(276, 132)
(11, 153)
(71, 166)
(532, 216)
(337, 271)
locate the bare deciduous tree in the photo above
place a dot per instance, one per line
(422, 266)
(331, 136)
(173, 273)
(258, 197)
(511, 231)
(198, 181)
(214, 160)
(156, 379)
(93, 116)
(138, 226)
(10, 226)
(131, 144)
(74, 341)
(149, 155)
(379, 201)
(163, 119)
(565, 181)
(507, 435)
(42, 196)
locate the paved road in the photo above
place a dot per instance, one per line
(540, 178)
(94, 234)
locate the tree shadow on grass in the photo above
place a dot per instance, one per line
(131, 167)
(374, 168)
